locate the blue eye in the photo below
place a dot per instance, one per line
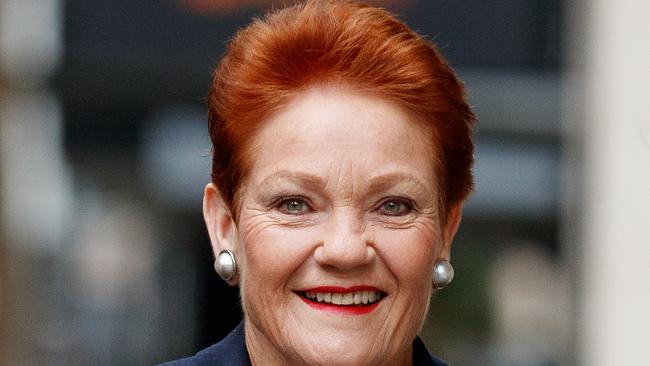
(293, 206)
(395, 207)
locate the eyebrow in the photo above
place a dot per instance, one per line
(376, 184)
(303, 179)
(383, 182)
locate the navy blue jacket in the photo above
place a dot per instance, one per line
(231, 351)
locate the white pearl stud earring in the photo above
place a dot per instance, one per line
(443, 274)
(225, 265)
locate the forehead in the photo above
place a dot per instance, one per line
(327, 131)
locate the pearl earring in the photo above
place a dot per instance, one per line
(443, 274)
(225, 265)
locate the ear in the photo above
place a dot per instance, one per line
(453, 223)
(219, 222)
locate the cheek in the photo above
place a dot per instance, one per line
(272, 253)
(410, 254)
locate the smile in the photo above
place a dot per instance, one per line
(354, 300)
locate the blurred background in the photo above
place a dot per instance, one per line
(104, 153)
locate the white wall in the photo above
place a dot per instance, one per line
(608, 116)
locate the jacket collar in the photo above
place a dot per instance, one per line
(232, 351)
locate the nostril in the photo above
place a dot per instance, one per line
(344, 254)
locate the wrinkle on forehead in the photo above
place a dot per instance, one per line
(342, 185)
(343, 139)
(342, 178)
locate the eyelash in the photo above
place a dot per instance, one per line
(406, 203)
(279, 203)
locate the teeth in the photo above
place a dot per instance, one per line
(357, 297)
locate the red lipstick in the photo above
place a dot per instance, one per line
(353, 309)
(342, 290)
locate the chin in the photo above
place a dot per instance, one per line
(341, 351)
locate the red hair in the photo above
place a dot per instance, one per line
(343, 43)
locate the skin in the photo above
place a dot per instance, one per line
(342, 192)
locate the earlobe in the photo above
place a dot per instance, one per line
(219, 223)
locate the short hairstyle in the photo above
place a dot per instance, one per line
(343, 43)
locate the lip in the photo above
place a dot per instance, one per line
(342, 290)
(341, 309)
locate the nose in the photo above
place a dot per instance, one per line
(344, 246)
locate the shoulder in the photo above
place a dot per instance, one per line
(231, 351)
(422, 357)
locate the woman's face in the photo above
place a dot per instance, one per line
(338, 232)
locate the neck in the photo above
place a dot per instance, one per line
(262, 352)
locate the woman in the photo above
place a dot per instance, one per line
(342, 155)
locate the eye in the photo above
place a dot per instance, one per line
(395, 207)
(293, 206)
